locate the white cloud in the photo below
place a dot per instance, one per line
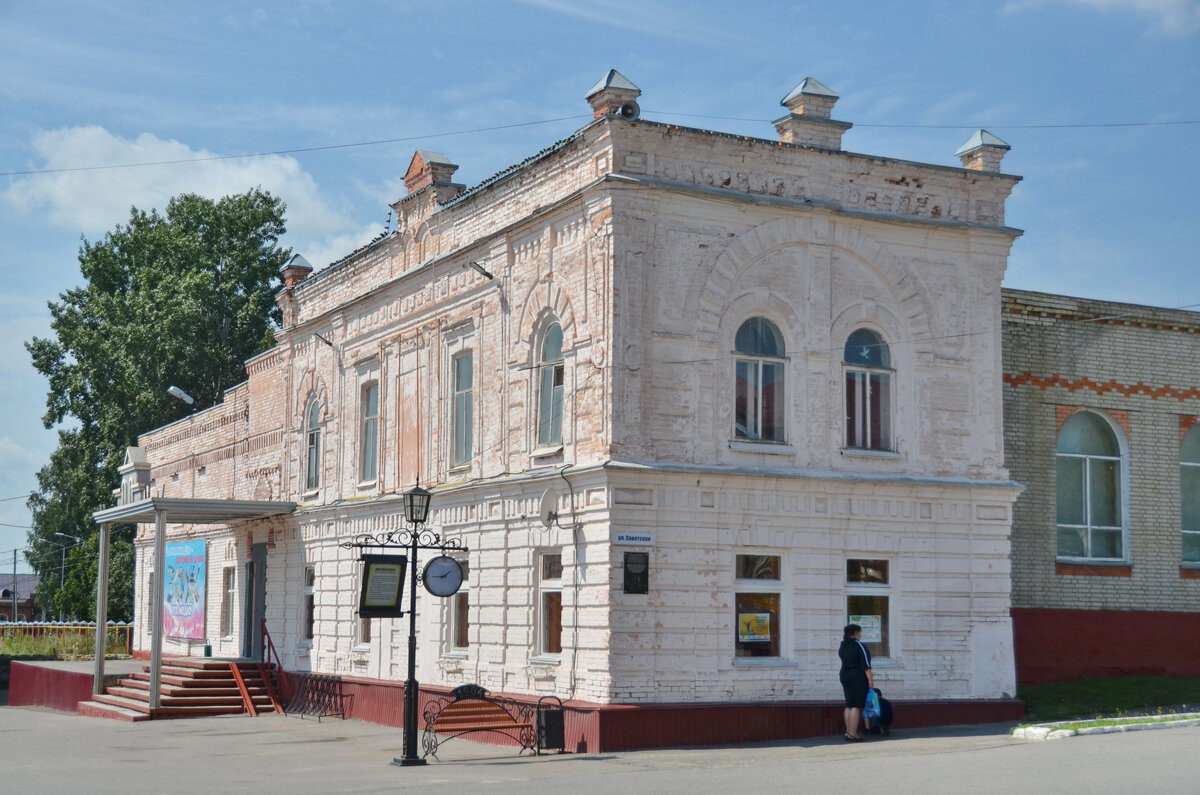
(1173, 17)
(93, 200)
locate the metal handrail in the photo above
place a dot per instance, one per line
(268, 644)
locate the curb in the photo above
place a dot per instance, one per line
(1058, 731)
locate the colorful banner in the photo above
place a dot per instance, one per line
(754, 627)
(183, 595)
(872, 628)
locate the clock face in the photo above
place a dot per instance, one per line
(443, 576)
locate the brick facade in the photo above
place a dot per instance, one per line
(1139, 367)
(650, 245)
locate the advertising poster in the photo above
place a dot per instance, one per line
(872, 628)
(183, 596)
(754, 627)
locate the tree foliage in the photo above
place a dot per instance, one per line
(177, 299)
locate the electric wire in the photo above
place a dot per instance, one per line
(472, 131)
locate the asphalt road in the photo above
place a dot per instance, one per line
(52, 752)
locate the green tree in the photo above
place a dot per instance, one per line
(177, 299)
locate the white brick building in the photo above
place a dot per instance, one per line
(772, 366)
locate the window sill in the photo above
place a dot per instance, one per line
(546, 452)
(460, 654)
(762, 662)
(1189, 571)
(362, 648)
(304, 644)
(770, 448)
(546, 660)
(367, 485)
(456, 469)
(1093, 568)
(862, 452)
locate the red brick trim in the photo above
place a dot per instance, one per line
(1062, 412)
(1092, 570)
(1100, 388)
(1186, 421)
(1189, 574)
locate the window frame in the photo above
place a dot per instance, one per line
(368, 437)
(228, 601)
(551, 397)
(753, 589)
(460, 611)
(1189, 470)
(1121, 494)
(462, 411)
(312, 444)
(757, 362)
(857, 403)
(309, 618)
(884, 649)
(549, 589)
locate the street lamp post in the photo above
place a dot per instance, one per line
(62, 569)
(416, 511)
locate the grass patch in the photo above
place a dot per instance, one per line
(65, 645)
(1105, 722)
(1110, 697)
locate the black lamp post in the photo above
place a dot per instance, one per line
(416, 511)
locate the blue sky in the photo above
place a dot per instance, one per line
(1108, 211)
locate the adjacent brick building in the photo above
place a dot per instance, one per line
(773, 367)
(1101, 401)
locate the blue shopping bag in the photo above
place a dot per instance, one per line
(871, 708)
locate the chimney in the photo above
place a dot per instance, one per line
(809, 122)
(432, 168)
(614, 94)
(982, 152)
(295, 271)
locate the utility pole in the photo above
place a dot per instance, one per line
(14, 588)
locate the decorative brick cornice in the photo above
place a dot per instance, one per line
(1101, 387)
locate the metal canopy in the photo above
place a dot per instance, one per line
(191, 511)
(161, 510)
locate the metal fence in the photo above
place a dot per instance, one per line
(118, 640)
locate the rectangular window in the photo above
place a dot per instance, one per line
(369, 458)
(550, 589)
(227, 601)
(460, 626)
(868, 410)
(551, 406)
(868, 595)
(464, 380)
(757, 605)
(1189, 491)
(310, 604)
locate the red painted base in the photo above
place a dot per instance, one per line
(32, 685)
(596, 728)
(1064, 645)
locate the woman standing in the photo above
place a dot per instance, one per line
(856, 677)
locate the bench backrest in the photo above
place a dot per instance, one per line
(469, 712)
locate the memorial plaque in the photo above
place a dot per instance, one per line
(637, 572)
(382, 579)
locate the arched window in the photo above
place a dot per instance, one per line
(1090, 507)
(758, 394)
(1189, 494)
(868, 364)
(313, 437)
(550, 393)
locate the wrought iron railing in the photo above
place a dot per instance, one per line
(118, 635)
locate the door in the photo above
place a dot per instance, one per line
(256, 602)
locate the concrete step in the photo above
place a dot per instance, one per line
(96, 709)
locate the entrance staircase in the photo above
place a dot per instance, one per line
(191, 687)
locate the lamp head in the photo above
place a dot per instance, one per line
(179, 394)
(416, 505)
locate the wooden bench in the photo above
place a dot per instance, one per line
(470, 708)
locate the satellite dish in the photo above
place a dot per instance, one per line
(546, 512)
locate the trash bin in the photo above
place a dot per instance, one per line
(550, 731)
(207, 650)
